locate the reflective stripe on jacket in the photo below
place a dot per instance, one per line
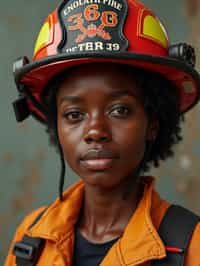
(139, 244)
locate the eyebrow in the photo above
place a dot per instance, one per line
(121, 93)
(72, 99)
(114, 94)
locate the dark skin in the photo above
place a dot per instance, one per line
(103, 129)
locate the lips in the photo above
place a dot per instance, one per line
(96, 159)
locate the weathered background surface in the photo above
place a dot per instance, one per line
(29, 167)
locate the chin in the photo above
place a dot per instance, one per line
(103, 180)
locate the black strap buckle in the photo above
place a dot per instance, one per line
(24, 251)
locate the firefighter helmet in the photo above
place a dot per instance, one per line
(119, 31)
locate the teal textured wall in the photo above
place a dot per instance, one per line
(29, 167)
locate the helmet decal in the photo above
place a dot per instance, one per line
(45, 36)
(93, 25)
(151, 28)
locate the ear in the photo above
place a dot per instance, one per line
(153, 130)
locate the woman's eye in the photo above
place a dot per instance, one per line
(74, 116)
(120, 111)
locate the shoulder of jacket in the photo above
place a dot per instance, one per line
(20, 232)
(27, 222)
(192, 255)
(159, 207)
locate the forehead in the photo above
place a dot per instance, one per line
(101, 77)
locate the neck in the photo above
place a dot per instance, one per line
(107, 211)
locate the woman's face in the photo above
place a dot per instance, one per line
(102, 125)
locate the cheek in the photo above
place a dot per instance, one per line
(132, 140)
(69, 139)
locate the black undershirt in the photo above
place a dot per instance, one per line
(87, 253)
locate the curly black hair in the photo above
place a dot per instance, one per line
(161, 101)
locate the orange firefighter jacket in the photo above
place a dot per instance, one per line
(139, 244)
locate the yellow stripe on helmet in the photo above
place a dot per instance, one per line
(153, 29)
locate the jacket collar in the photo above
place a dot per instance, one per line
(139, 243)
(60, 217)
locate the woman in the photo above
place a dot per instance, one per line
(112, 93)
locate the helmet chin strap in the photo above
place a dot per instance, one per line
(62, 174)
(137, 172)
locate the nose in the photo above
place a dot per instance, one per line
(97, 130)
